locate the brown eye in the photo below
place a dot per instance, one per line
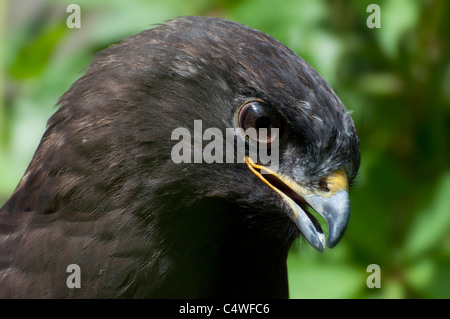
(259, 115)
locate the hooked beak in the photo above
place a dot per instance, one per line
(332, 203)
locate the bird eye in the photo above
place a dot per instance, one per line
(259, 115)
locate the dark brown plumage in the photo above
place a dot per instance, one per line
(102, 191)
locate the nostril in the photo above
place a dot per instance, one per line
(323, 186)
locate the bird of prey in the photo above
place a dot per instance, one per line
(102, 192)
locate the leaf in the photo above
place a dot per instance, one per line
(397, 17)
(430, 224)
(311, 278)
(33, 58)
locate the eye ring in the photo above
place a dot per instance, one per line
(257, 114)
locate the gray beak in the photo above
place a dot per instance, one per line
(336, 211)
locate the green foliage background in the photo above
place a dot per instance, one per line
(395, 80)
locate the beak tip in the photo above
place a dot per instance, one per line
(318, 243)
(339, 227)
(336, 211)
(321, 248)
(332, 244)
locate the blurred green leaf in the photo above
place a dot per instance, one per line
(439, 285)
(319, 280)
(397, 17)
(430, 224)
(324, 275)
(420, 273)
(33, 58)
(380, 84)
(392, 289)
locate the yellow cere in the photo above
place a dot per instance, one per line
(336, 182)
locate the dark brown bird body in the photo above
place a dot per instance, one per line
(102, 192)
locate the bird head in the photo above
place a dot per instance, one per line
(226, 75)
(118, 120)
